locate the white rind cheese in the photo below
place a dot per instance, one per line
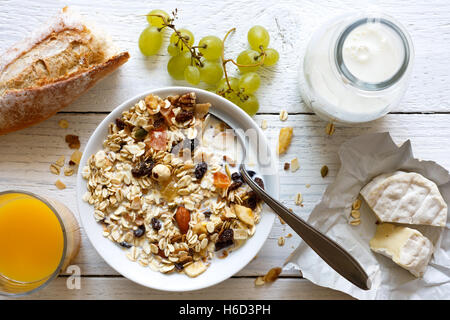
(405, 246)
(406, 197)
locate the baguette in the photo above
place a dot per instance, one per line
(47, 71)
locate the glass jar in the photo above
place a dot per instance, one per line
(39, 238)
(356, 68)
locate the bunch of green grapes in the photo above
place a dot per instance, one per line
(204, 61)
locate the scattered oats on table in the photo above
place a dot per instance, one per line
(330, 129)
(299, 199)
(60, 185)
(162, 194)
(55, 169)
(294, 165)
(283, 115)
(281, 241)
(63, 124)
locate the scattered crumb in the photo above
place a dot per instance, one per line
(287, 165)
(294, 165)
(330, 129)
(259, 281)
(356, 204)
(281, 241)
(264, 124)
(63, 124)
(299, 199)
(68, 171)
(355, 214)
(355, 222)
(324, 171)
(283, 115)
(55, 169)
(272, 275)
(308, 185)
(281, 220)
(60, 185)
(289, 235)
(60, 161)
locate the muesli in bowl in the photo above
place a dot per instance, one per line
(165, 186)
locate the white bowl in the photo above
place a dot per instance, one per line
(220, 269)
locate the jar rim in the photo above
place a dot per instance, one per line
(372, 86)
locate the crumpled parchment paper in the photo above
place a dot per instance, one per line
(363, 158)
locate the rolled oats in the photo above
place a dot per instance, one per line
(283, 115)
(137, 183)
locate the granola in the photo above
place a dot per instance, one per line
(162, 194)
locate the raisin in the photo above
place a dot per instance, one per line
(200, 170)
(120, 123)
(259, 182)
(159, 122)
(235, 185)
(287, 165)
(252, 200)
(125, 244)
(179, 266)
(251, 173)
(144, 168)
(225, 239)
(184, 115)
(235, 176)
(139, 232)
(156, 224)
(207, 214)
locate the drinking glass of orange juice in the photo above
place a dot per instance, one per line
(38, 238)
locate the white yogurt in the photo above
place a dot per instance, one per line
(373, 52)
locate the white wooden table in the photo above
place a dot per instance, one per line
(423, 116)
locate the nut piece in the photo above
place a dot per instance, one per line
(284, 139)
(294, 165)
(60, 185)
(195, 269)
(161, 172)
(245, 214)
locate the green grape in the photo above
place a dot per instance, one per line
(211, 71)
(249, 82)
(177, 64)
(248, 57)
(173, 50)
(187, 35)
(213, 47)
(258, 36)
(157, 21)
(249, 105)
(192, 74)
(271, 58)
(222, 86)
(150, 41)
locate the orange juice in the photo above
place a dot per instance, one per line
(31, 238)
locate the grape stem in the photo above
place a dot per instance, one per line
(225, 61)
(195, 56)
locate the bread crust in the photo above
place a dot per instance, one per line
(22, 107)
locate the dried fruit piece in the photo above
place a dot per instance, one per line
(287, 165)
(195, 269)
(225, 239)
(73, 141)
(120, 124)
(260, 182)
(75, 158)
(200, 170)
(272, 275)
(157, 140)
(156, 224)
(184, 115)
(284, 139)
(144, 168)
(324, 171)
(235, 185)
(221, 180)
(244, 214)
(183, 216)
(60, 185)
(139, 232)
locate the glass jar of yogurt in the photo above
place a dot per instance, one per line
(356, 68)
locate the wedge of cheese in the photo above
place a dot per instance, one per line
(406, 197)
(405, 246)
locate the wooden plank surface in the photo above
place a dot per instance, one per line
(27, 154)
